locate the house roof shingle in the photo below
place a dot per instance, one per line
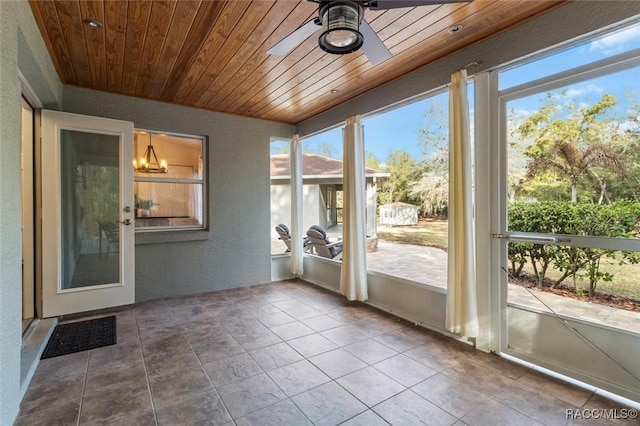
(314, 165)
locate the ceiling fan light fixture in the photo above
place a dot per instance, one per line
(341, 27)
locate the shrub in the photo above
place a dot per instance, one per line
(616, 220)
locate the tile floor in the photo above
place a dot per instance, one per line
(288, 354)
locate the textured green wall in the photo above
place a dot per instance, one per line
(21, 50)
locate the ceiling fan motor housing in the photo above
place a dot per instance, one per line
(341, 26)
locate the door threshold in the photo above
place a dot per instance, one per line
(32, 347)
(27, 327)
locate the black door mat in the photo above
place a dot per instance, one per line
(81, 336)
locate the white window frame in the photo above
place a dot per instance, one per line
(161, 179)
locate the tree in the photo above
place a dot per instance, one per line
(325, 149)
(279, 148)
(434, 136)
(432, 187)
(575, 146)
(433, 192)
(371, 161)
(404, 171)
(629, 188)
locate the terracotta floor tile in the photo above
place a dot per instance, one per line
(288, 353)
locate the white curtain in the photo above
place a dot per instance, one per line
(462, 314)
(195, 204)
(353, 283)
(295, 161)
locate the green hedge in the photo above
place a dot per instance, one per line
(620, 219)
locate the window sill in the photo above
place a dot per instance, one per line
(173, 236)
(287, 254)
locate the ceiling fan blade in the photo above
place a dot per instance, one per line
(373, 47)
(291, 41)
(395, 4)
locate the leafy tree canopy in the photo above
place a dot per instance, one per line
(580, 145)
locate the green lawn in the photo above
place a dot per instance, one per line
(433, 232)
(428, 232)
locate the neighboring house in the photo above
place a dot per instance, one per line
(321, 192)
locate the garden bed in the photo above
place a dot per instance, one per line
(602, 298)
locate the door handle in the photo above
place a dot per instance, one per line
(126, 222)
(127, 209)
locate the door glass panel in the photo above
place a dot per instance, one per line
(568, 303)
(587, 283)
(90, 232)
(573, 170)
(573, 159)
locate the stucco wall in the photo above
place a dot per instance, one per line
(236, 249)
(21, 48)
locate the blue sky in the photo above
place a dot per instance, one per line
(399, 129)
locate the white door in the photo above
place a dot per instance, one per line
(87, 213)
(548, 239)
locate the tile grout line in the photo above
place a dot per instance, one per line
(84, 385)
(204, 370)
(144, 366)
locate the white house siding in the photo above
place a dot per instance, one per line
(281, 207)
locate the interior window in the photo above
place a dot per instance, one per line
(169, 181)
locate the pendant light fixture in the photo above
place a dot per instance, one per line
(149, 163)
(341, 27)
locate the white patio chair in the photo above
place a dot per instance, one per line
(285, 236)
(321, 243)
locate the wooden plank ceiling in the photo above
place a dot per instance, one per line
(212, 54)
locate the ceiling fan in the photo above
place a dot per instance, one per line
(344, 29)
